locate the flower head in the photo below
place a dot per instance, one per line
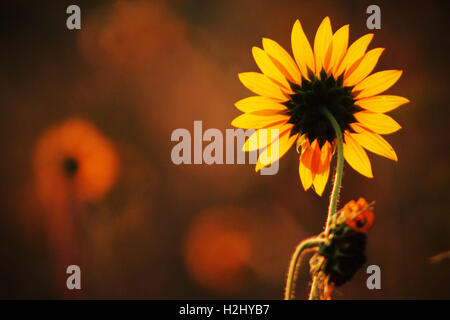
(358, 215)
(293, 95)
(75, 157)
(344, 251)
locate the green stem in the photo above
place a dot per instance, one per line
(339, 169)
(314, 294)
(295, 264)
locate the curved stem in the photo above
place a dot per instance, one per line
(339, 169)
(314, 294)
(295, 264)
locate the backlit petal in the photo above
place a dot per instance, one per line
(354, 53)
(381, 103)
(377, 122)
(262, 85)
(323, 171)
(364, 68)
(357, 127)
(304, 168)
(377, 83)
(339, 45)
(315, 162)
(356, 157)
(321, 43)
(261, 138)
(267, 67)
(301, 49)
(277, 53)
(252, 121)
(376, 144)
(320, 181)
(258, 103)
(325, 157)
(276, 149)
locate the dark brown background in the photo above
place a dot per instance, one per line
(166, 64)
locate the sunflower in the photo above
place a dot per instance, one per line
(293, 95)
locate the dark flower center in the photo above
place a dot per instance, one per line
(310, 99)
(70, 166)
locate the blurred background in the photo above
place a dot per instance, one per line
(86, 176)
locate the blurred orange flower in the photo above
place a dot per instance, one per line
(74, 157)
(73, 163)
(218, 250)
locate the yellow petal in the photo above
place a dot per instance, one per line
(377, 122)
(262, 85)
(320, 181)
(277, 125)
(315, 162)
(325, 157)
(354, 53)
(321, 43)
(258, 140)
(277, 53)
(323, 171)
(377, 83)
(267, 67)
(258, 103)
(357, 127)
(382, 103)
(364, 68)
(276, 149)
(339, 45)
(261, 138)
(253, 121)
(376, 144)
(304, 167)
(301, 49)
(356, 157)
